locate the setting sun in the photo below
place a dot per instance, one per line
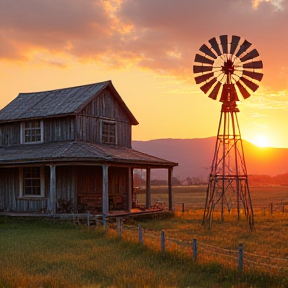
(261, 141)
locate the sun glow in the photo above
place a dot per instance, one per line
(261, 141)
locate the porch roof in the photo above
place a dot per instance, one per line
(84, 152)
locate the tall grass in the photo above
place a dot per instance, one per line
(46, 253)
(43, 253)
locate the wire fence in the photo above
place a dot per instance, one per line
(199, 251)
(265, 207)
(202, 252)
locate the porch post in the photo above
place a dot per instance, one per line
(148, 188)
(170, 172)
(130, 189)
(105, 196)
(52, 193)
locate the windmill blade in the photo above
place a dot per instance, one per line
(234, 43)
(214, 93)
(202, 59)
(249, 84)
(205, 88)
(243, 90)
(204, 48)
(254, 53)
(215, 46)
(224, 43)
(244, 46)
(201, 69)
(254, 75)
(203, 78)
(254, 65)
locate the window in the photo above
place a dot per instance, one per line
(32, 181)
(32, 131)
(109, 132)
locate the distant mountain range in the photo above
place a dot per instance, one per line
(195, 156)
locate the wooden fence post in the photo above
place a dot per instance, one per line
(163, 241)
(183, 208)
(195, 249)
(119, 226)
(240, 257)
(140, 230)
(271, 208)
(88, 218)
(104, 223)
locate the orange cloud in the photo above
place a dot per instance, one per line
(158, 35)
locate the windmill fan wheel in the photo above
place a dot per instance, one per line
(228, 67)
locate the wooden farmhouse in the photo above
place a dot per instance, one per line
(70, 150)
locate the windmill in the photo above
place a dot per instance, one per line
(228, 70)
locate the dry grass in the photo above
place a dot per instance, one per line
(41, 253)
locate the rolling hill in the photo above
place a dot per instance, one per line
(195, 156)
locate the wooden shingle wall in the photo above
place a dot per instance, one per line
(10, 134)
(101, 108)
(59, 129)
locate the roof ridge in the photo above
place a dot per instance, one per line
(66, 88)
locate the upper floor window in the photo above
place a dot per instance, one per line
(32, 131)
(108, 132)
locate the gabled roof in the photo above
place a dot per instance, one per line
(63, 152)
(58, 102)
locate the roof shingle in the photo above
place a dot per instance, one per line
(78, 151)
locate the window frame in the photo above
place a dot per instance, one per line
(109, 135)
(23, 130)
(22, 180)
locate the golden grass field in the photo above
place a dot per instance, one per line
(194, 196)
(46, 253)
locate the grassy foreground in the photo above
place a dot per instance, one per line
(45, 253)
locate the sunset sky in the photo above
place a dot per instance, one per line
(147, 49)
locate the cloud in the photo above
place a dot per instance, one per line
(278, 4)
(162, 35)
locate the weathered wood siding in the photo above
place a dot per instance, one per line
(59, 129)
(89, 188)
(9, 193)
(103, 107)
(81, 186)
(55, 129)
(118, 188)
(10, 134)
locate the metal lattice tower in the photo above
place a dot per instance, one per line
(228, 71)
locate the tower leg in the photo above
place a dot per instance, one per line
(228, 180)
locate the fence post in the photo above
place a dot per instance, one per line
(88, 218)
(140, 230)
(183, 208)
(195, 249)
(163, 241)
(240, 257)
(104, 223)
(271, 208)
(119, 226)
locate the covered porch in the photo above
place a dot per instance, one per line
(75, 177)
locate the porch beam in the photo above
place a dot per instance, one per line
(148, 187)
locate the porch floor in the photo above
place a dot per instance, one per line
(111, 214)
